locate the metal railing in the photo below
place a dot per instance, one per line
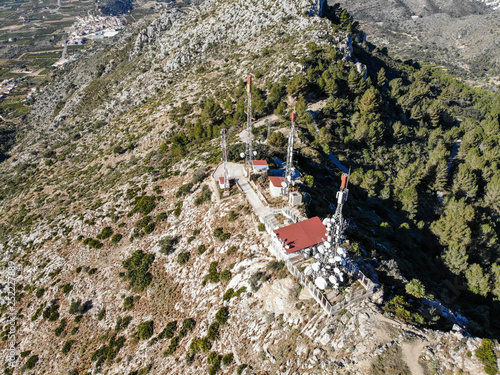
(279, 252)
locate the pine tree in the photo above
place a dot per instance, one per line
(381, 78)
(477, 281)
(464, 182)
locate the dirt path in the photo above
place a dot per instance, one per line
(411, 353)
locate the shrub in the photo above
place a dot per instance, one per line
(128, 302)
(201, 249)
(39, 292)
(222, 315)
(213, 275)
(116, 238)
(225, 275)
(92, 271)
(31, 362)
(106, 232)
(486, 354)
(67, 346)
(183, 258)
(187, 325)
(178, 208)
(60, 329)
(241, 368)
(145, 330)
(261, 227)
(238, 293)
(138, 269)
(231, 250)
(51, 313)
(74, 330)
(161, 216)
(184, 189)
(219, 233)
(167, 245)
(174, 342)
(122, 323)
(143, 222)
(90, 242)
(206, 195)
(67, 288)
(415, 288)
(232, 215)
(149, 228)
(108, 352)
(168, 331)
(228, 295)
(143, 205)
(213, 359)
(77, 308)
(213, 331)
(227, 359)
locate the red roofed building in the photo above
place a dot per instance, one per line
(301, 235)
(275, 185)
(221, 183)
(260, 165)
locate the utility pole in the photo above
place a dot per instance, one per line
(289, 171)
(224, 155)
(338, 222)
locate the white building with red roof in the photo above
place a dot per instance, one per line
(301, 235)
(276, 185)
(260, 165)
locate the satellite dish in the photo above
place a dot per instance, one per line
(255, 153)
(308, 271)
(242, 155)
(283, 184)
(315, 267)
(337, 259)
(333, 280)
(320, 283)
(336, 270)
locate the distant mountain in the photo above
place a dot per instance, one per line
(462, 35)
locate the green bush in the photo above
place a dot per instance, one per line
(227, 359)
(219, 233)
(178, 208)
(128, 302)
(39, 292)
(168, 331)
(60, 329)
(90, 242)
(201, 249)
(122, 323)
(225, 275)
(213, 275)
(187, 325)
(109, 351)
(174, 342)
(184, 189)
(222, 315)
(161, 216)
(415, 288)
(486, 354)
(167, 245)
(149, 228)
(106, 232)
(51, 313)
(77, 308)
(213, 331)
(116, 238)
(67, 346)
(145, 330)
(231, 250)
(31, 362)
(241, 368)
(213, 359)
(261, 227)
(141, 224)
(138, 269)
(66, 288)
(143, 205)
(206, 195)
(228, 295)
(183, 258)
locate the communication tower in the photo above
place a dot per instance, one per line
(249, 154)
(224, 155)
(338, 223)
(289, 171)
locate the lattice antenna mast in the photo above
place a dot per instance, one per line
(224, 155)
(249, 151)
(65, 51)
(289, 155)
(338, 222)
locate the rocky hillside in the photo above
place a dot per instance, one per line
(131, 264)
(461, 35)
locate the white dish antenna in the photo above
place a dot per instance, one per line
(308, 271)
(315, 267)
(320, 283)
(242, 155)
